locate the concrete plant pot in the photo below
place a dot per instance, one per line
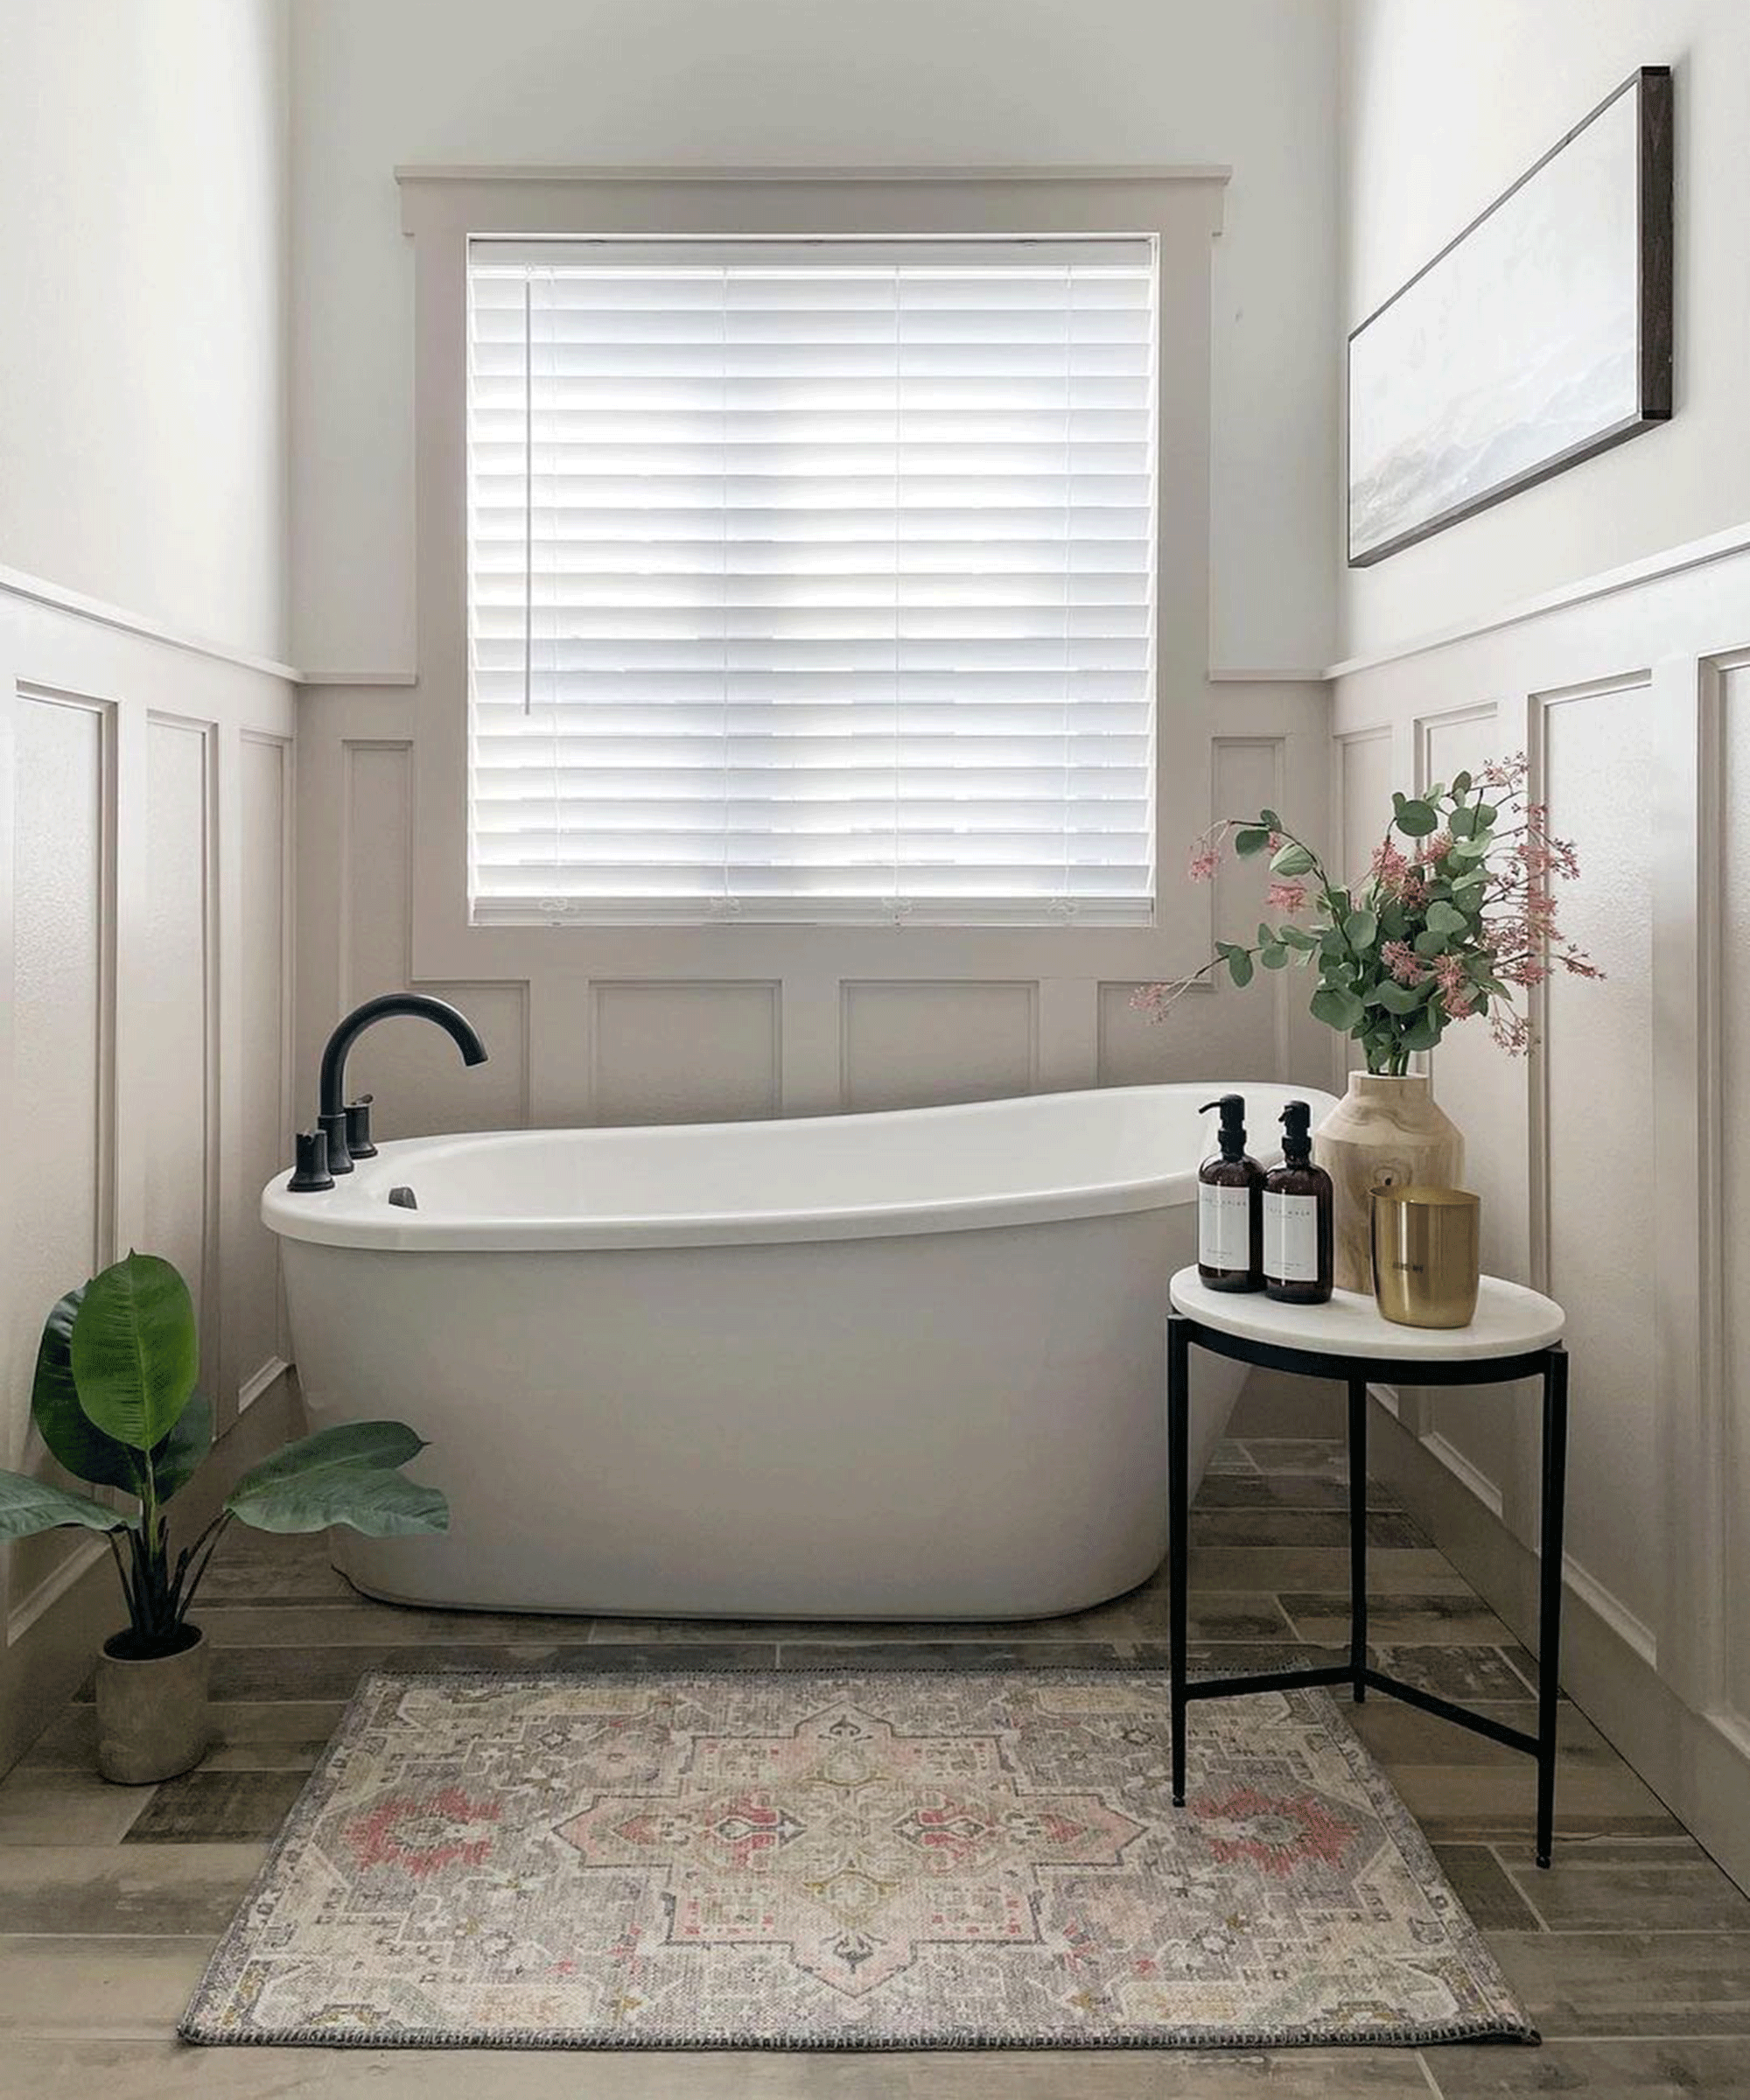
(152, 1719)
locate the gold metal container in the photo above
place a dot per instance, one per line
(1425, 1254)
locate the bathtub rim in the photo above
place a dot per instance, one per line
(355, 1213)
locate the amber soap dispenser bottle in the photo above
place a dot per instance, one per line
(1296, 1217)
(1229, 1218)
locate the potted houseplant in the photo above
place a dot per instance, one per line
(115, 1401)
(1448, 926)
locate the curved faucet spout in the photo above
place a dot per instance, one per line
(332, 1090)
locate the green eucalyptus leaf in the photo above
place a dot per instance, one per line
(1461, 783)
(1296, 937)
(1444, 918)
(1429, 943)
(1469, 848)
(1240, 967)
(28, 1506)
(1425, 1030)
(1462, 823)
(1417, 819)
(1251, 841)
(1432, 795)
(176, 1460)
(1337, 1009)
(1290, 859)
(1403, 998)
(1486, 815)
(135, 1350)
(1273, 955)
(73, 1438)
(1269, 820)
(1361, 929)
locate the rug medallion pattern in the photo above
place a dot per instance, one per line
(883, 1859)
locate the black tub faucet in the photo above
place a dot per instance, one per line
(338, 1122)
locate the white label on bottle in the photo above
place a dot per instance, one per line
(1290, 1239)
(1224, 1227)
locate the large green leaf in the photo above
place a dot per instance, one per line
(375, 1500)
(1290, 859)
(347, 1443)
(135, 1350)
(69, 1432)
(177, 1458)
(28, 1506)
(344, 1475)
(1416, 819)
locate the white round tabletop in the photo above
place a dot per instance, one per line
(1510, 1321)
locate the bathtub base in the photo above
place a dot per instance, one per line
(965, 1426)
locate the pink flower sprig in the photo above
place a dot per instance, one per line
(1450, 926)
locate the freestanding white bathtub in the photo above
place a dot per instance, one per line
(901, 1366)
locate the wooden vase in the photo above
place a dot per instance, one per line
(1385, 1133)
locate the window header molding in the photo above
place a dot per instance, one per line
(760, 203)
(1188, 172)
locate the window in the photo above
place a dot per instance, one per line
(812, 581)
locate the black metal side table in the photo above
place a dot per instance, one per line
(1517, 1334)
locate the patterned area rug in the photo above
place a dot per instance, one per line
(882, 1859)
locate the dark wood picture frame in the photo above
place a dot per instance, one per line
(1652, 87)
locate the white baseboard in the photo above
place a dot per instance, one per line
(1697, 1765)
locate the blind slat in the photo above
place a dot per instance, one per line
(811, 581)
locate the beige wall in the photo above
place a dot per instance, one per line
(1446, 103)
(1610, 1162)
(628, 1024)
(143, 195)
(828, 84)
(146, 781)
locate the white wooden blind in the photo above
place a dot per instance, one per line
(812, 581)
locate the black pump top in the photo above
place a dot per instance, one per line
(1232, 1134)
(1297, 1131)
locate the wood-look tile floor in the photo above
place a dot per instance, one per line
(1633, 1952)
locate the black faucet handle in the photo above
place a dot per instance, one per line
(311, 1172)
(359, 1128)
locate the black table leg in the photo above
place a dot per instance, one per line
(1549, 1602)
(1179, 1510)
(1358, 1581)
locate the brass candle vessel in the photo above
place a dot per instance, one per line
(1427, 1254)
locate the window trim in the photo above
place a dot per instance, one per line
(1180, 207)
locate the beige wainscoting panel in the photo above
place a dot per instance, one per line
(377, 869)
(1136, 1050)
(1597, 1083)
(911, 1045)
(1485, 1092)
(256, 1342)
(171, 1010)
(675, 1052)
(60, 1165)
(1731, 1068)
